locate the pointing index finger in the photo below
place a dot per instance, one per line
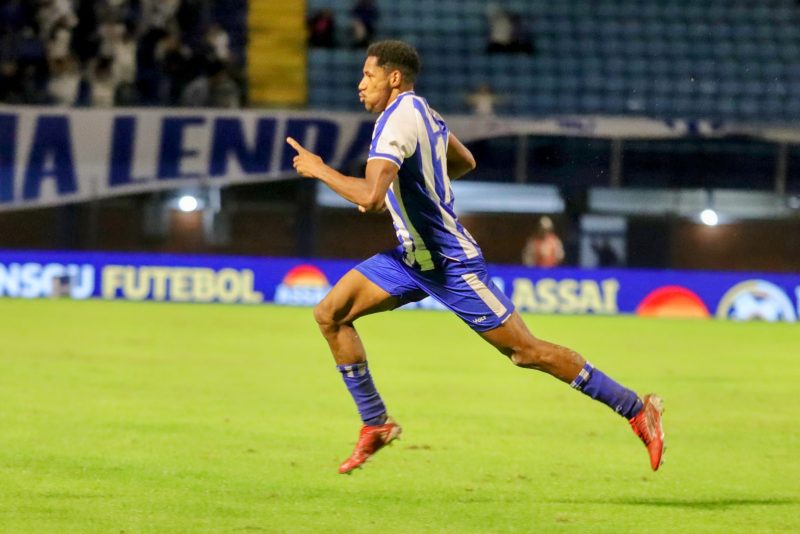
(294, 144)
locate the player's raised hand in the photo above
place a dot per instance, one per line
(306, 163)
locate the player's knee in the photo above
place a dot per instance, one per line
(323, 314)
(329, 316)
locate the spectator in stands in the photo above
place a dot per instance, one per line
(59, 40)
(483, 100)
(507, 32)
(364, 21)
(102, 84)
(218, 42)
(543, 248)
(59, 44)
(177, 68)
(158, 14)
(214, 89)
(109, 33)
(65, 81)
(11, 87)
(606, 255)
(322, 29)
(54, 15)
(500, 29)
(123, 53)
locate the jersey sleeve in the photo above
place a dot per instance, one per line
(395, 135)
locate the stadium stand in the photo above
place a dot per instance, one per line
(122, 52)
(722, 59)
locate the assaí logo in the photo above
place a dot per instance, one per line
(756, 300)
(34, 280)
(304, 285)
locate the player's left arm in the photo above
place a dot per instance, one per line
(368, 192)
(459, 159)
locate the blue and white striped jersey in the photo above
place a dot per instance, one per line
(414, 137)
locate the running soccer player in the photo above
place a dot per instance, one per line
(412, 158)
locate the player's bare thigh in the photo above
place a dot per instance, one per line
(353, 296)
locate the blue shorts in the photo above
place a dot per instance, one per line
(463, 287)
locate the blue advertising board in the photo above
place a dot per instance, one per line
(303, 282)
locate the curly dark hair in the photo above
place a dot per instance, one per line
(397, 55)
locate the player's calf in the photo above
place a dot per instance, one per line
(550, 358)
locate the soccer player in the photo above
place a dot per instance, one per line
(412, 158)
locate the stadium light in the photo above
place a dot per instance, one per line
(188, 203)
(709, 217)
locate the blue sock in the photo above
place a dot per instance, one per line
(594, 383)
(359, 383)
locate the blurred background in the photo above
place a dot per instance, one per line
(610, 133)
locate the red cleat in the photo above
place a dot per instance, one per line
(647, 425)
(371, 439)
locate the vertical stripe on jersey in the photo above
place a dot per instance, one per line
(439, 172)
(485, 294)
(436, 179)
(418, 252)
(399, 225)
(448, 192)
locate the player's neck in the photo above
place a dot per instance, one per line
(397, 91)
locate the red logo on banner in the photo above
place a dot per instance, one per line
(672, 301)
(305, 275)
(304, 285)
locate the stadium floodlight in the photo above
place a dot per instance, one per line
(709, 217)
(188, 203)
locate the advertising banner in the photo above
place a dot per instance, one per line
(300, 282)
(52, 156)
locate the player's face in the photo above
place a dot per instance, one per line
(375, 89)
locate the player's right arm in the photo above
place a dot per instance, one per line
(459, 159)
(368, 193)
(394, 139)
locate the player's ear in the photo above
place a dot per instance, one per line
(395, 79)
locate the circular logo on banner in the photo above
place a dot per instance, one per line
(304, 285)
(756, 300)
(672, 301)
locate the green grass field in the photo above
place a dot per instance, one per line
(120, 417)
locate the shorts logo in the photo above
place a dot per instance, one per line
(756, 300)
(304, 285)
(480, 319)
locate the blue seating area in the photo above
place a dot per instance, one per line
(721, 59)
